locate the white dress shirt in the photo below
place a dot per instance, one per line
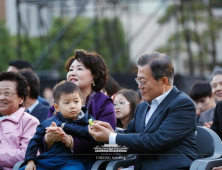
(153, 106)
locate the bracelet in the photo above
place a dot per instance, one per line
(70, 137)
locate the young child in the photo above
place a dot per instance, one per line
(125, 102)
(68, 101)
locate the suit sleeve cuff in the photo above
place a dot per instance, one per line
(112, 138)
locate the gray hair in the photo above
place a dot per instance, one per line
(215, 72)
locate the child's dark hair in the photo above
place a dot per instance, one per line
(65, 87)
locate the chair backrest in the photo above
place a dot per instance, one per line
(208, 143)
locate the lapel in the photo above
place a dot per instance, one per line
(35, 111)
(141, 117)
(162, 105)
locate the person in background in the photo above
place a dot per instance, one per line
(21, 64)
(216, 84)
(48, 95)
(216, 125)
(125, 102)
(201, 93)
(111, 88)
(89, 72)
(32, 105)
(68, 102)
(163, 130)
(17, 126)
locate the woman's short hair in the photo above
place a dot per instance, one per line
(95, 63)
(21, 83)
(133, 98)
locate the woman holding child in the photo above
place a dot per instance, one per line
(89, 72)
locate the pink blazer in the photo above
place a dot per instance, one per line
(15, 132)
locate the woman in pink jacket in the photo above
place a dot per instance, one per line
(16, 126)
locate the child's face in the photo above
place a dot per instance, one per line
(122, 107)
(69, 105)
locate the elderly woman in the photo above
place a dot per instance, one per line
(89, 72)
(16, 126)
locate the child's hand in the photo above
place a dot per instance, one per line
(30, 165)
(52, 127)
(54, 133)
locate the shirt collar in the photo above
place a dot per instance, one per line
(32, 107)
(15, 117)
(160, 98)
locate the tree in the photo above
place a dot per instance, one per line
(105, 36)
(7, 51)
(199, 30)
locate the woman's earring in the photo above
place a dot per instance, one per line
(93, 84)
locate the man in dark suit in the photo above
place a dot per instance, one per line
(32, 105)
(216, 84)
(162, 132)
(217, 120)
(16, 65)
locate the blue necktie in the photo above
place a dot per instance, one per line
(27, 111)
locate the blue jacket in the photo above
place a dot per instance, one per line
(168, 141)
(78, 128)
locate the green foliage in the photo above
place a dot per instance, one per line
(106, 37)
(7, 51)
(198, 27)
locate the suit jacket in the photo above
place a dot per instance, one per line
(43, 101)
(217, 120)
(206, 116)
(168, 141)
(40, 112)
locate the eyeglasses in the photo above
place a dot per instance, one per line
(7, 93)
(142, 83)
(120, 104)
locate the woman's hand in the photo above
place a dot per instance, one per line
(53, 134)
(30, 165)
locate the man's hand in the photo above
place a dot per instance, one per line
(30, 165)
(217, 168)
(100, 131)
(208, 125)
(105, 124)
